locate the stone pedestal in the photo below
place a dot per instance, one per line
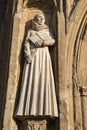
(33, 125)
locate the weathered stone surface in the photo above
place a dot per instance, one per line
(67, 20)
(32, 125)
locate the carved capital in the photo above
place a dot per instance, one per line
(33, 125)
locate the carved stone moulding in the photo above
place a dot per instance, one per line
(38, 3)
(33, 125)
(83, 91)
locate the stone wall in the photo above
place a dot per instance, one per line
(68, 24)
(6, 17)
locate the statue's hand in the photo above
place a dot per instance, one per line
(29, 59)
(46, 42)
(39, 43)
(49, 42)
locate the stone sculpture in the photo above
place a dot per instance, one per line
(37, 96)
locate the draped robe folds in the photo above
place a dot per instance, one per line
(37, 96)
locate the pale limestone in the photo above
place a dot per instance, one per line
(68, 61)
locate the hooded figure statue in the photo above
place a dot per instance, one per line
(37, 95)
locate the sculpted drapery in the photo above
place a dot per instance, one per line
(37, 96)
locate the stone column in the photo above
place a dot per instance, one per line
(33, 125)
(13, 77)
(77, 108)
(84, 106)
(62, 90)
(61, 6)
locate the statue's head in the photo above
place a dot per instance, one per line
(39, 18)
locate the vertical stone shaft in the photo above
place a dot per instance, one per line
(84, 107)
(61, 6)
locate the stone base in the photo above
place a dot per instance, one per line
(33, 125)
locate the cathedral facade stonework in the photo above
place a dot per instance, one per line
(66, 25)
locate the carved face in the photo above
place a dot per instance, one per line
(40, 19)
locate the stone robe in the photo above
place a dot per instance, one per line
(37, 96)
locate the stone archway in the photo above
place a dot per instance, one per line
(14, 65)
(73, 62)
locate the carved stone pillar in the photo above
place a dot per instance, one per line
(33, 125)
(84, 107)
(61, 6)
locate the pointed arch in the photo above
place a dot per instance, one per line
(78, 23)
(73, 48)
